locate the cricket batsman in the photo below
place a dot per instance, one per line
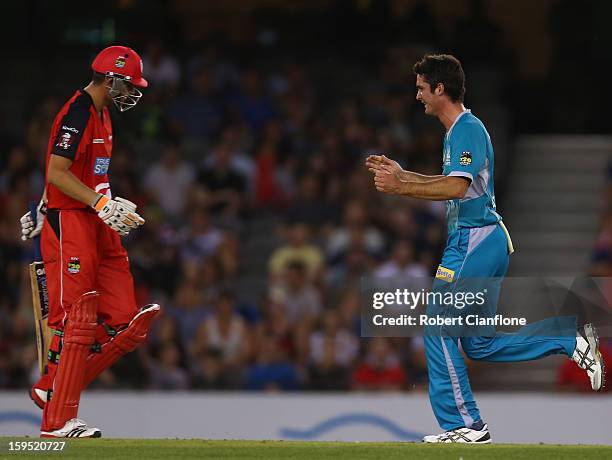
(478, 246)
(92, 308)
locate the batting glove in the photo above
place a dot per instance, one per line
(118, 214)
(28, 229)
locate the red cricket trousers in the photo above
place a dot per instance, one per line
(81, 253)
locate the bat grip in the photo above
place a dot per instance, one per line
(36, 239)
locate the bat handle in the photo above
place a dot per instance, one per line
(36, 239)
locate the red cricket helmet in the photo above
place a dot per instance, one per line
(121, 62)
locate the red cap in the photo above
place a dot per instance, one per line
(120, 61)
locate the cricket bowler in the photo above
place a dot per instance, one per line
(92, 307)
(478, 246)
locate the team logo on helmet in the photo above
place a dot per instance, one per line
(120, 62)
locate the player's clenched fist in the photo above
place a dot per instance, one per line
(387, 173)
(118, 214)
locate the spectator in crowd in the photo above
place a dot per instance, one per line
(268, 191)
(223, 334)
(195, 114)
(348, 275)
(223, 184)
(332, 352)
(275, 325)
(166, 373)
(16, 164)
(163, 69)
(299, 248)
(166, 333)
(17, 367)
(236, 139)
(308, 206)
(355, 230)
(188, 309)
(168, 181)
(402, 264)
(251, 103)
(200, 240)
(380, 369)
(207, 371)
(300, 297)
(272, 371)
(326, 374)
(283, 143)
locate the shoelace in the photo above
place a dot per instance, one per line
(586, 362)
(453, 436)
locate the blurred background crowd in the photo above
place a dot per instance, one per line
(246, 155)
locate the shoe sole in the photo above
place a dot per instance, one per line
(47, 435)
(488, 441)
(593, 340)
(485, 441)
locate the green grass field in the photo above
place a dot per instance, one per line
(168, 449)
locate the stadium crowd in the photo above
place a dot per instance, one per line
(261, 219)
(232, 146)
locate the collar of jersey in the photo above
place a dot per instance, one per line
(457, 119)
(90, 99)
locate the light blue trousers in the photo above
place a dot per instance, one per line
(481, 253)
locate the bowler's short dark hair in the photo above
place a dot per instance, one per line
(445, 69)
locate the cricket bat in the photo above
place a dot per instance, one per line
(40, 300)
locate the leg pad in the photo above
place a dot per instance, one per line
(79, 336)
(124, 342)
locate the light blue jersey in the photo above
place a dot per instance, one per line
(468, 152)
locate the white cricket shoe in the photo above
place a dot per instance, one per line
(74, 428)
(461, 435)
(588, 357)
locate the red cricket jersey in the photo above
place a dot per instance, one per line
(80, 134)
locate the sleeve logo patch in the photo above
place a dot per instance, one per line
(465, 159)
(74, 265)
(101, 166)
(445, 274)
(65, 141)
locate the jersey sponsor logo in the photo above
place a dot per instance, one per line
(465, 159)
(101, 166)
(65, 141)
(445, 274)
(98, 141)
(74, 265)
(120, 62)
(68, 128)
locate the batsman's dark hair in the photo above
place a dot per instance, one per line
(98, 78)
(445, 69)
